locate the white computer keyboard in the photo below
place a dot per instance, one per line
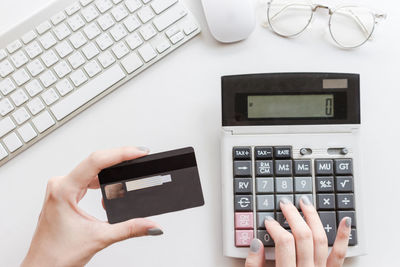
(72, 53)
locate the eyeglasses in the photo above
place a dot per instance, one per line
(349, 26)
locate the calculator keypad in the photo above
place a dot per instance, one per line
(276, 175)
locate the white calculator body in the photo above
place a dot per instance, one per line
(289, 135)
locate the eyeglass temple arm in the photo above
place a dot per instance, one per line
(287, 6)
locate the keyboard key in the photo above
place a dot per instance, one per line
(324, 184)
(92, 68)
(353, 237)
(163, 46)
(72, 9)
(280, 218)
(243, 238)
(21, 77)
(243, 203)
(133, 5)
(61, 31)
(118, 32)
(265, 238)
(169, 17)
(27, 132)
(50, 96)
(265, 202)
(62, 69)
(328, 219)
(64, 87)
(284, 184)
(49, 58)
(264, 168)
(7, 86)
(35, 67)
(78, 40)
(75, 22)
(346, 213)
(3, 54)
(76, 60)
(147, 52)
(47, 40)
(64, 49)
(297, 198)
(243, 186)
(19, 97)
(90, 51)
(3, 152)
(92, 31)
(264, 185)
(147, 32)
(242, 168)
(78, 77)
(263, 152)
(343, 166)
(12, 142)
(85, 2)
(282, 152)
(5, 68)
(189, 26)
(134, 41)
(43, 27)
(6, 125)
(161, 5)
(244, 220)
(302, 167)
(14, 46)
(19, 59)
(145, 14)
(5, 107)
(21, 115)
(283, 167)
(241, 153)
(323, 167)
(132, 23)
(325, 201)
(33, 88)
(105, 21)
(131, 63)
(177, 37)
(106, 59)
(303, 184)
(261, 217)
(43, 121)
(278, 199)
(119, 13)
(57, 18)
(90, 13)
(103, 5)
(87, 92)
(48, 78)
(345, 201)
(344, 183)
(104, 41)
(35, 106)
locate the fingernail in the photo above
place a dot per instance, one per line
(284, 201)
(255, 245)
(306, 200)
(154, 231)
(143, 148)
(269, 218)
(348, 221)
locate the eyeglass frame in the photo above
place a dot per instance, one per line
(331, 11)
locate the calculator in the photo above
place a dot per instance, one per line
(288, 135)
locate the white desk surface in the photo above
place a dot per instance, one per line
(176, 103)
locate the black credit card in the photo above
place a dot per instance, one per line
(151, 185)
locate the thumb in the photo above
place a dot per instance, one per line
(129, 229)
(256, 257)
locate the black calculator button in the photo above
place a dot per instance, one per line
(303, 184)
(323, 167)
(265, 185)
(264, 168)
(302, 167)
(261, 216)
(283, 168)
(242, 168)
(265, 203)
(263, 152)
(243, 203)
(265, 238)
(297, 198)
(343, 166)
(278, 199)
(353, 237)
(241, 153)
(283, 152)
(328, 219)
(284, 185)
(345, 201)
(280, 218)
(243, 186)
(325, 201)
(324, 184)
(344, 184)
(347, 213)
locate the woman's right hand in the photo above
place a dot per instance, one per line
(307, 245)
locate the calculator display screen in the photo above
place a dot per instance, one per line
(290, 106)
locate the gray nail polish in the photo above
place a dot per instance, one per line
(143, 148)
(154, 231)
(348, 221)
(255, 245)
(269, 218)
(284, 201)
(306, 200)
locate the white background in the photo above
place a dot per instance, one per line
(176, 103)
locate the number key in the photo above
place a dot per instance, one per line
(303, 184)
(264, 185)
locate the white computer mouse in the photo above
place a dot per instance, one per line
(230, 20)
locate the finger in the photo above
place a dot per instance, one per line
(84, 173)
(285, 252)
(341, 244)
(94, 183)
(129, 229)
(319, 236)
(256, 257)
(102, 203)
(301, 232)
